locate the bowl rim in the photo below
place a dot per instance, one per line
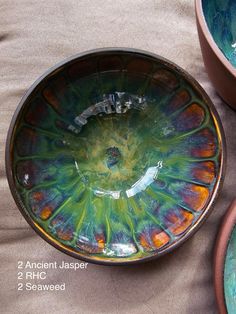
(221, 246)
(95, 52)
(208, 36)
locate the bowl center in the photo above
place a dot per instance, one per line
(115, 155)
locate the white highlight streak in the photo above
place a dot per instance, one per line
(145, 181)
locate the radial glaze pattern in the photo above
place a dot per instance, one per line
(115, 156)
(221, 19)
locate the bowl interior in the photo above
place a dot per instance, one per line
(115, 156)
(230, 274)
(220, 16)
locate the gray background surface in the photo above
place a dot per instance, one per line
(35, 35)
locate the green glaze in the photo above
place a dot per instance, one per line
(230, 274)
(115, 157)
(221, 19)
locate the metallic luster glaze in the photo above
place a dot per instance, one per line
(115, 156)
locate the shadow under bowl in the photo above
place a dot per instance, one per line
(115, 156)
(216, 22)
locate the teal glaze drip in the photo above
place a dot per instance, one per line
(221, 19)
(113, 169)
(230, 274)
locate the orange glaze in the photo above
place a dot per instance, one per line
(46, 212)
(180, 99)
(181, 222)
(198, 198)
(205, 173)
(65, 235)
(192, 117)
(100, 241)
(144, 242)
(207, 149)
(38, 196)
(160, 239)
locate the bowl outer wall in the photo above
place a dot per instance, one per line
(220, 71)
(68, 61)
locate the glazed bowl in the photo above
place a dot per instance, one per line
(225, 263)
(216, 23)
(115, 156)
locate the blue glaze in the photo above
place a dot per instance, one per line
(220, 16)
(116, 157)
(230, 274)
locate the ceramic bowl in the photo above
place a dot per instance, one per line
(225, 263)
(216, 22)
(115, 156)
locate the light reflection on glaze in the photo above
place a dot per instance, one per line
(146, 180)
(117, 165)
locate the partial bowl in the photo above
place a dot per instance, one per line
(115, 156)
(216, 23)
(225, 263)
